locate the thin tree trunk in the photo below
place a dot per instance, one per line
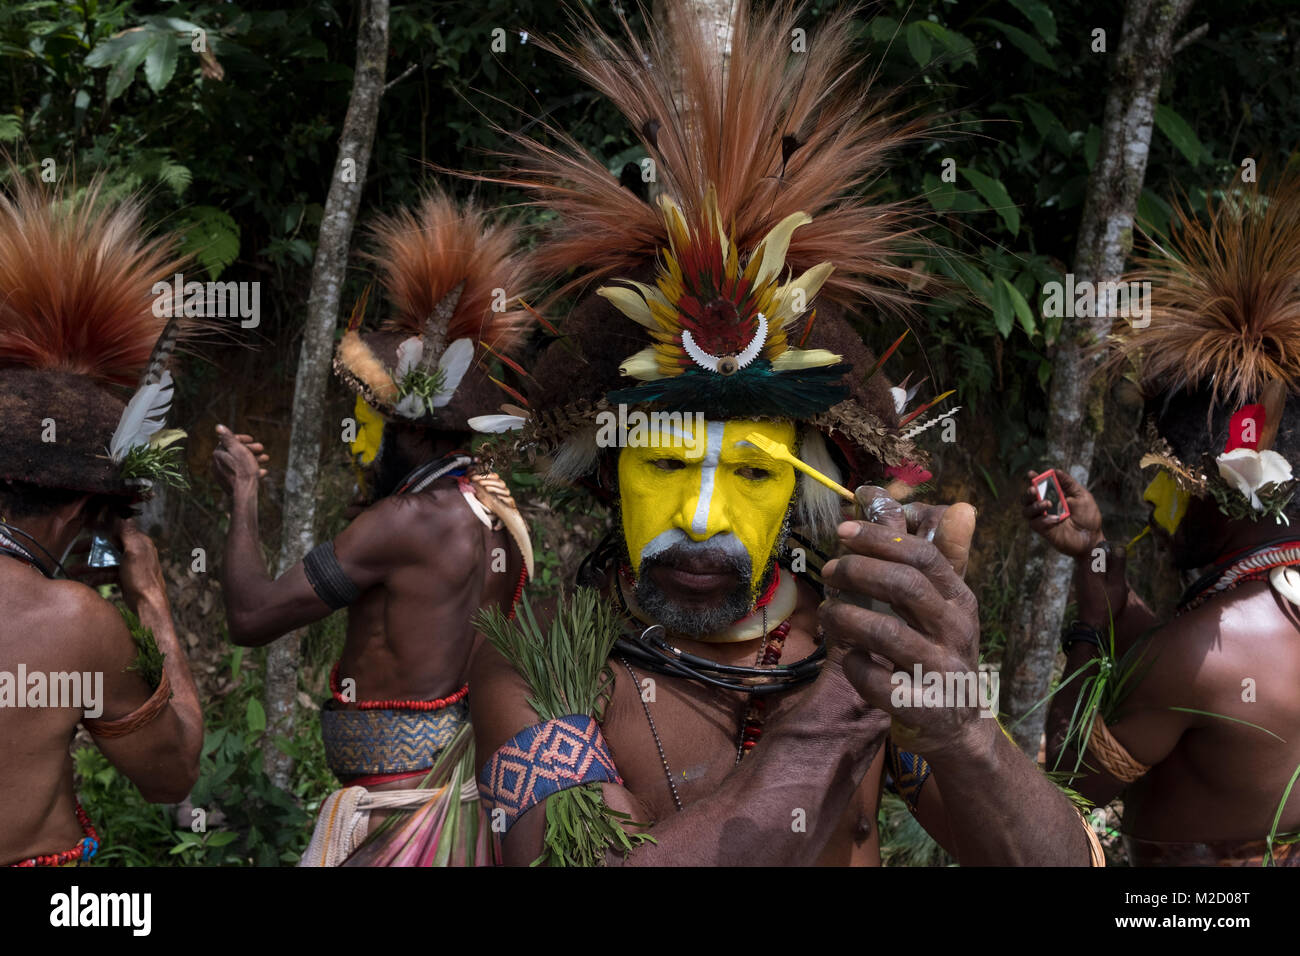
(1105, 238)
(328, 272)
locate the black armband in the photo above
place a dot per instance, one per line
(1079, 631)
(327, 579)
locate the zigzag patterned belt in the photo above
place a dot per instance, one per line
(387, 741)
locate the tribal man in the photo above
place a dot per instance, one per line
(739, 715)
(440, 539)
(1204, 741)
(78, 329)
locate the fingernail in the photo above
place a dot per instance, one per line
(847, 529)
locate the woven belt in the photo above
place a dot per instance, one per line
(387, 741)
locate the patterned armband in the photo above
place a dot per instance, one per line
(327, 578)
(543, 760)
(907, 774)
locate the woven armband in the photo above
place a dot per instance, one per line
(543, 760)
(1112, 756)
(908, 773)
(133, 721)
(327, 579)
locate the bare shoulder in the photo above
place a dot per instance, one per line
(83, 620)
(438, 521)
(1225, 637)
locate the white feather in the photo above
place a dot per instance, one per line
(454, 364)
(495, 424)
(145, 414)
(412, 407)
(409, 353)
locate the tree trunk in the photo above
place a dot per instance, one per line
(328, 272)
(1105, 238)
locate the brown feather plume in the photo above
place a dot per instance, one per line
(76, 282)
(1225, 291)
(776, 133)
(426, 254)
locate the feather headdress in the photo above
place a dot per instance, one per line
(76, 283)
(1225, 289)
(767, 153)
(79, 318)
(455, 281)
(782, 130)
(1219, 356)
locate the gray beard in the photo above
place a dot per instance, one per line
(693, 623)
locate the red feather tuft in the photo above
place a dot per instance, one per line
(423, 255)
(76, 282)
(773, 134)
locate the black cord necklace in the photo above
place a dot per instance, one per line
(10, 547)
(651, 651)
(426, 474)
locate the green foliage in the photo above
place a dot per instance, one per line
(149, 659)
(903, 841)
(245, 820)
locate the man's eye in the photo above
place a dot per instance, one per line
(753, 474)
(668, 464)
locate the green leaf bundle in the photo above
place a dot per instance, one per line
(566, 670)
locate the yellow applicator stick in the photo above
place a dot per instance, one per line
(781, 453)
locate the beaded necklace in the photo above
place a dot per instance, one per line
(1253, 566)
(84, 850)
(11, 548)
(751, 723)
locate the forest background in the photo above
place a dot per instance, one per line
(235, 147)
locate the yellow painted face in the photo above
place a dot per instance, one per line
(705, 483)
(370, 432)
(1170, 501)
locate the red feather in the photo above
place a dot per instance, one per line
(76, 282)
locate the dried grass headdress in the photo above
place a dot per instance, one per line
(1220, 356)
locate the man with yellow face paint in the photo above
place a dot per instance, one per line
(703, 532)
(434, 537)
(748, 709)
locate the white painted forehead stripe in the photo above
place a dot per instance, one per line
(708, 470)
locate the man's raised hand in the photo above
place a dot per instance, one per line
(237, 461)
(936, 627)
(1080, 532)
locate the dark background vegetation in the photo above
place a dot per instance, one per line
(236, 155)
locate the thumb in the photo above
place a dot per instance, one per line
(956, 529)
(1069, 485)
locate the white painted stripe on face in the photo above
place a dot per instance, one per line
(708, 470)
